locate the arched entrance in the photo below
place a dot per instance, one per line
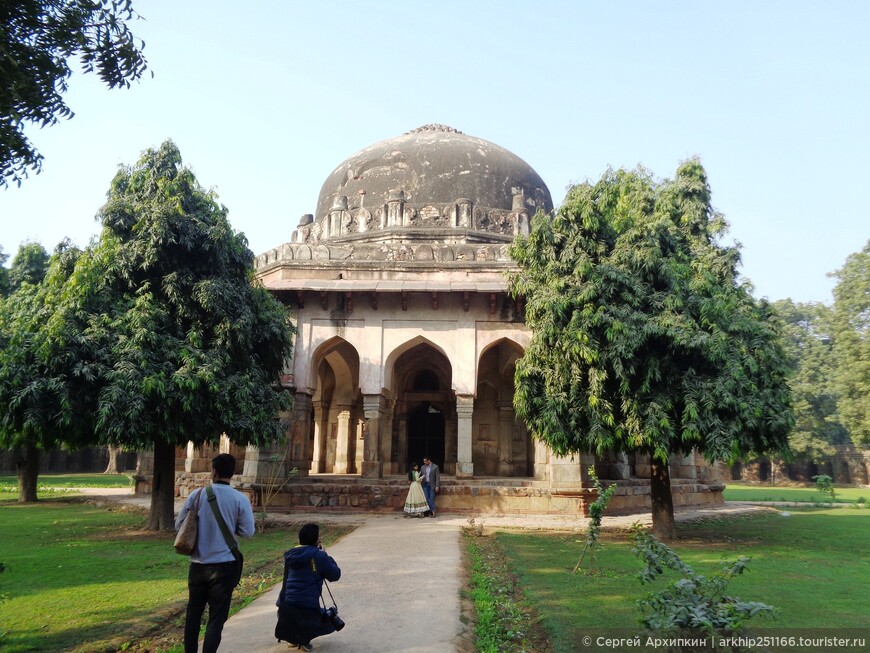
(336, 442)
(426, 434)
(424, 421)
(501, 445)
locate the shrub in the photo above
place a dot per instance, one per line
(694, 602)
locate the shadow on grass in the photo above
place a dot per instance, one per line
(115, 633)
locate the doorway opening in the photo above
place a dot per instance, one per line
(426, 434)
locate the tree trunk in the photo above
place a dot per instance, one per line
(28, 474)
(162, 516)
(112, 467)
(663, 526)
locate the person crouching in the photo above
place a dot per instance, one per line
(300, 617)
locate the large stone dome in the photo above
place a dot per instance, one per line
(431, 184)
(434, 165)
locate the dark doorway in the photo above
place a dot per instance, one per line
(426, 435)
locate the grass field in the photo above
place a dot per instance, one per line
(82, 578)
(9, 483)
(813, 565)
(754, 492)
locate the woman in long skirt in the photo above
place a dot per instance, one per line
(415, 502)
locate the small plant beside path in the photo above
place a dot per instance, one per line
(694, 602)
(505, 623)
(596, 512)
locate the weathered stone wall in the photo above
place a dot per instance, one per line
(848, 467)
(59, 461)
(472, 497)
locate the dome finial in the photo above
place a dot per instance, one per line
(435, 127)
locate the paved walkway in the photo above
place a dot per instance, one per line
(399, 592)
(401, 578)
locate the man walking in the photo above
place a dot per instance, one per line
(430, 479)
(213, 568)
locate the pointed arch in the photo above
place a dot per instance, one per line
(338, 408)
(501, 445)
(393, 356)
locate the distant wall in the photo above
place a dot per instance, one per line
(849, 466)
(58, 461)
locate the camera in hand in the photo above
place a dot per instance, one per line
(337, 621)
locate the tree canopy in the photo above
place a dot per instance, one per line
(643, 337)
(851, 329)
(42, 402)
(180, 343)
(37, 40)
(4, 273)
(808, 345)
(30, 265)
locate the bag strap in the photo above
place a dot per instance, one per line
(194, 508)
(331, 598)
(228, 538)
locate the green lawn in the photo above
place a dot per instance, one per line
(814, 566)
(751, 492)
(86, 578)
(10, 482)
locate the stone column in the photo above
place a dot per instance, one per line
(642, 465)
(571, 470)
(395, 208)
(298, 434)
(505, 439)
(619, 467)
(373, 405)
(342, 443)
(317, 458)
(386, 453)
(359, 428)
(402, 421)
(683, 465)
(263, 465)
(464, 412)
(198, 459)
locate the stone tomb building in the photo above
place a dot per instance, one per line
(407, 340)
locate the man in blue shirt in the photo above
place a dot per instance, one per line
(212, 574)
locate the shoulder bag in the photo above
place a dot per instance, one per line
(228, 538)
(185, 541)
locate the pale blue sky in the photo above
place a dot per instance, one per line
(265, 101)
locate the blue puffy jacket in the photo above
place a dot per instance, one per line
(305, 567)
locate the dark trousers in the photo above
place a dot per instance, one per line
(301, 625)
(210, 585)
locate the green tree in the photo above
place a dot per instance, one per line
(39, 405)
(851, 328)
(37, 40)
(4, 274)
(808, 345)
(180, 342)
(643, 340)
(30, 265)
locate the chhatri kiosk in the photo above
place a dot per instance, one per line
(407, 340)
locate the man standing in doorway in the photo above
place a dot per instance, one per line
(430, 478)
(213, 569)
